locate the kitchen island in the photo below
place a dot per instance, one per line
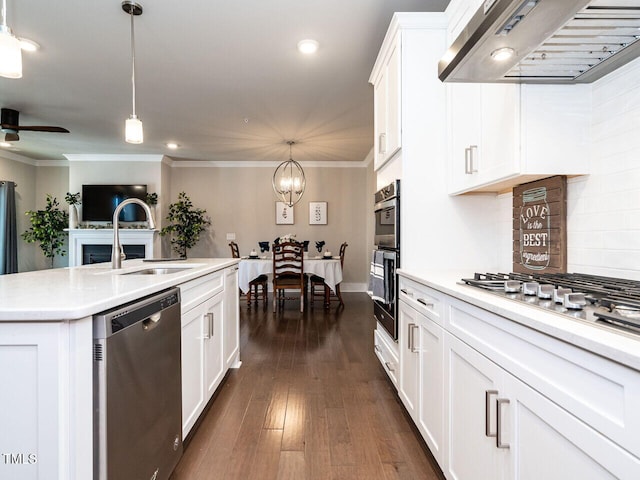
(46, 354)
(502, 389)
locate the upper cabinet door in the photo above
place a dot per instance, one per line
(388, 106)
(484, 134)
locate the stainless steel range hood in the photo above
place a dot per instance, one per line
(552, 41)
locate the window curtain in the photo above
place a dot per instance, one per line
(8, 230)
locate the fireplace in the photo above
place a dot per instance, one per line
(87, 245)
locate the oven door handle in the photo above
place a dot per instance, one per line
(385, 205)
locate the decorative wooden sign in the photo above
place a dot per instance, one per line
(540, 226)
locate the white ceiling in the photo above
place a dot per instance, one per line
(221, 78)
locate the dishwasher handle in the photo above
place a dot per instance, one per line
(151, 322)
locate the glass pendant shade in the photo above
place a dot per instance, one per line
(133, 130)
(10, 54)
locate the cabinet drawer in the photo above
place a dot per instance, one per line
(598, 391)
(425, 300)
(196, 291)
(387, 356)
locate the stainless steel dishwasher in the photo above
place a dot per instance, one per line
(137, 389)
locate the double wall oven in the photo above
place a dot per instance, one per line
(386, 257)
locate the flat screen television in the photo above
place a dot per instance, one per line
(100, 201)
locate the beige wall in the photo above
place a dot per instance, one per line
(241, 200)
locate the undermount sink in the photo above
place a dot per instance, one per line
(158, 271)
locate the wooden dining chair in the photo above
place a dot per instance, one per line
(261, 281)
(325, 292)
(288, 272)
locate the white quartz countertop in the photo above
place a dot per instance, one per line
(608, 342)
(77, 292)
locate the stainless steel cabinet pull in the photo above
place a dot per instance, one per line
(487, 412)
(473, 149)
(209, 322)
(499, 403)
(425, 303)
(410, 336)
(388, 365)
(210, 319)
(467, 161)
(404, 290)
(382, 143)
(377, 348)
(413, 328)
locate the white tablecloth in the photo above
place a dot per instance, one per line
(330, 270)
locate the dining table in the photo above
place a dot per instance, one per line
(327, 268)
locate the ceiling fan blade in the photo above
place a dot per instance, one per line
(36, 128)
(11, 137)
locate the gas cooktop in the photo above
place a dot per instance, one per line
(605, 301)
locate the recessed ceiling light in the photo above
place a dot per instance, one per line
(5, 144)
(308, 46)
(172, 145)
(28, 45)
(502, 54)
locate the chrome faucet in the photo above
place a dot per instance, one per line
(117, 254)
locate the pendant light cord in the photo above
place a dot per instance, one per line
(133, 63)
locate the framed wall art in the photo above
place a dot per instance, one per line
(284, 214)
(317, 213)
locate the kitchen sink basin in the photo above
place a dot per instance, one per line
(158, 271)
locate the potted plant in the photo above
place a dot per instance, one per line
(185, 224)
(73, 199)
(152, 200)
(47, 228)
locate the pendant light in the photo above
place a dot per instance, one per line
(288, 180)
(10, 54)
(133, 125)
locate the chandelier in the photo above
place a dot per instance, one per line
(288, 180)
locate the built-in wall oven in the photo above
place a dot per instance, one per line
(386, 257)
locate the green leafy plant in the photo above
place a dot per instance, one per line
(72, 198)
(47, 228)
(151, 199)
(185, 224)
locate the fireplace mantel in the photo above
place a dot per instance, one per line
(104, 236)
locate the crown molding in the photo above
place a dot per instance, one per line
(114, 158)
(265, 164)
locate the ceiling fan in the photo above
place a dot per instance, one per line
(10, 126)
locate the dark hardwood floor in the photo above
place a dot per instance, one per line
(311, 401)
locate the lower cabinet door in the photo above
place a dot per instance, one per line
(545, 441)
(231, 323)
(431, 398)
(474, 384)
(408, 344)
(193, 396)
(213, 344)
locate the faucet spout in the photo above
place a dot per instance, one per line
(116, 252)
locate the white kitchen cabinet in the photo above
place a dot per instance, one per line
(421, 346)
(513, 403)
(193, 384)
(459, 12)
(472, 386)
(500, 428)
(409, 322)
(546, 441)
(203, 341)
(231, 326)
(387, 352)
(388, 105)
(502, 135)
(33, 363)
